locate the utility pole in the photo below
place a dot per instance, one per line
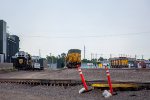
(50, 59)
(39, 53)
(101, 55)
(84, 51)
(91, 56)
(135, 56)
(110, 55)
(142, 57)
(96, 56)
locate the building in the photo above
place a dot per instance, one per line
(12, 46)
(3, 39)
(9, 44)
(147, 63)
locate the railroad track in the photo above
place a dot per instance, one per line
(50, 82)
(69, 82)
(47, 82)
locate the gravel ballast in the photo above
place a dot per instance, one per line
(89, 74)
(28, 92)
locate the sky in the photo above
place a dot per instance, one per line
(116, 27)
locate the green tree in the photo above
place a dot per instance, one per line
(63, 55)
(86, 61)
(101, 59)
(61, 60)
(51, 59)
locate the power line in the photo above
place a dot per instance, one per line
(86, 36)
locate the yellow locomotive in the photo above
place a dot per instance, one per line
(73, 58)
(121, 62)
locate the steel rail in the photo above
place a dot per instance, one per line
(68, 82)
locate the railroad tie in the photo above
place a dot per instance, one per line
(47, 84)
(52, 84)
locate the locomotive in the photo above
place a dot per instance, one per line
(24, 61)
(122, 62)
(73, 58)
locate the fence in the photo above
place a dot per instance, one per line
(5, 66)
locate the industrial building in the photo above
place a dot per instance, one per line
(3, 40)
(9, 44)
(12, 46)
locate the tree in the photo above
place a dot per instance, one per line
(61, 60)
(51, 59)
(86, 61)
(63, 55)
(94, 61)
(101, 59)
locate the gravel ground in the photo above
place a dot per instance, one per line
(27, 92)
(90, 74)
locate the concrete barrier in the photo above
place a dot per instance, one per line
(6, 66)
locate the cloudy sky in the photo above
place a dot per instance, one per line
(104, 26)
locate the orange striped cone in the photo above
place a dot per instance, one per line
(109, 80)
(82, 78)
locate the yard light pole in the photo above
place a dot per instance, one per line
(50, 60)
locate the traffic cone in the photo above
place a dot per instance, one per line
(85, 89)
(109, 80)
